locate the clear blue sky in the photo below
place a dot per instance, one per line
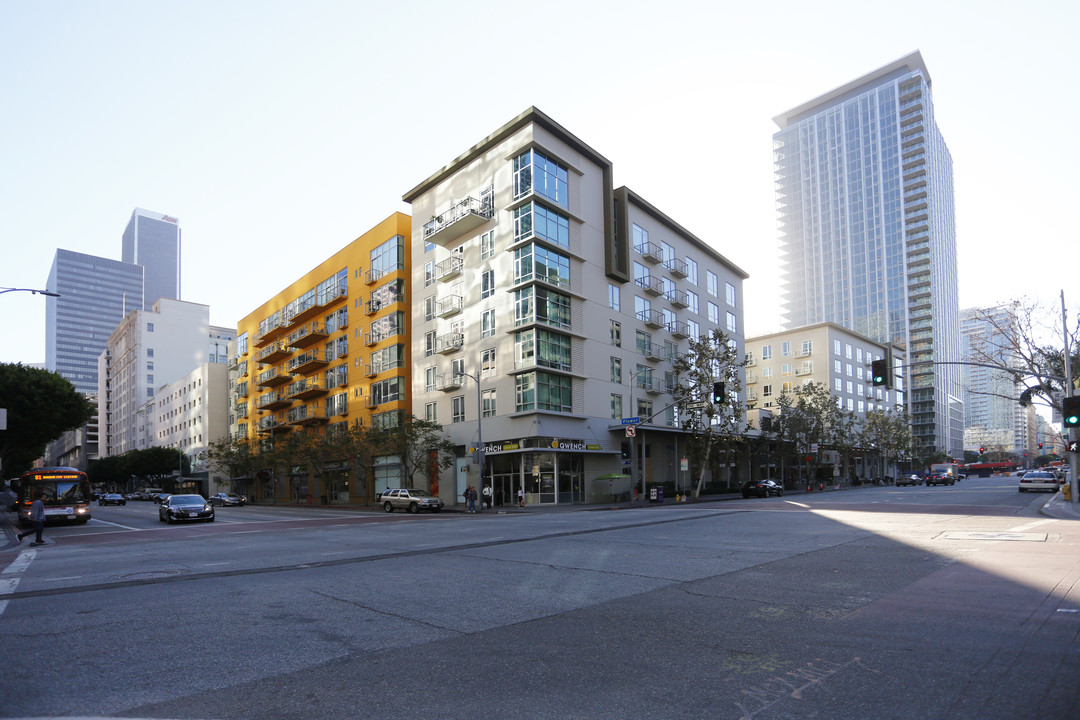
(301, 124)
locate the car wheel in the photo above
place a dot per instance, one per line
(414, 508)
(211, 519)
(388, 507)
(781, 493)
(1020, 489)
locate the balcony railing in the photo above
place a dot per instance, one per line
(309, 334)
(448, 382)
(679, 328)
(449, 343)
(307, 362)
(305, 415)
(652, 351)
(679, 298)
(460, 218)
(272, 377)
(272, 353)
(309, 388)
(274, 401)
(449, 305)
(652, 318)
(651, 284)
(449, 268)
(677, 266)
(650, 251)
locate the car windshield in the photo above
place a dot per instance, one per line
(420, 493)
(186, 500)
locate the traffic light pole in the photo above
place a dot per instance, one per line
(1074, 457)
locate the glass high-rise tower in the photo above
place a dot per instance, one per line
(867, 231)
(152, 239)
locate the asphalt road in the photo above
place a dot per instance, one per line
(943, 602)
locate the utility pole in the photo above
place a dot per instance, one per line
(1074, 458)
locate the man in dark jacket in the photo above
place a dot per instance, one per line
(37, 519)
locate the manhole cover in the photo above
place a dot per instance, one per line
(1016, 536)
(150, 575)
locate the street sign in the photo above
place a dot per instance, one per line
(697, 405)
(631, 421)
(631, 431)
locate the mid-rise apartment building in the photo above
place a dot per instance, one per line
(864, 193)
(548, 308)
(827, 354)
(329, 350)
(148, 348)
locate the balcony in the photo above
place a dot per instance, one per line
(270, 425)
(310, 334)
(451, 342)
(301, 312)
(679, 298)
(278, 351)
(651, 284)
(679, 328)
(678, 267)
(657, 387)
(652, 351)
(305, 415)
(651, 251)
(305, 389)
(373, 275)
(460, 218)
(375, 337)
(448, 382)
(311, 360)
(271, 332)
(242, 368)
(274, 401)
(233, 362)
(652, 318)
(449, 305)
(449, 268)
(273, 377)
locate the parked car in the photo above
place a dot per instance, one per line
(411, 500)
(1039, 480)
(227, 499)
(112, 499)
(762, 488)
(910, 480)
(185, 507)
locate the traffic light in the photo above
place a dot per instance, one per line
(718, 392)
(879, 371)
(1070, 411)
(1040, 446)
(982, 451)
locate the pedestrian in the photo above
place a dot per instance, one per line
(521, 497)
(487, 496)
(472, 499)
(37, 518)
(465, 495)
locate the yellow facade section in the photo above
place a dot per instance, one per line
(333, 346)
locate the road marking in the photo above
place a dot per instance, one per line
(1030, 525)
(796, 504)
(106, 522)
(17, 566)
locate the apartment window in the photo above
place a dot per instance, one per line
(487, 363)
(429, 308)
(541, 305)
(457, 409)
(693, 329)
(858, 355)
(487, 245)
(389, 390)
(388, 257)
(616, 406)
(838, 384)
(487, 284)
(543, 391)
(457, 370)
(613, 299)
(807, 347)
(337, 376)
(616, 369)
(615, 328)
(535, 262)
(543, 347)
(713, 283)
(429, 273)
(431, 412)
(785, 369)
(731, 326)
(150, 379)
(766, 373)
(766, 390)
(838, 367)
(766, 352)
(337, 404)
(785, 348)
(487, 324)
(847, 351)
(429, 343)
(836, 347)
(430, 381)
(149, 327)
(149, 352)
(785, 386)
(692, 302)
(535, 172)
(532, 220)
(487, 402)
(643, 341)
(730, 290)
(714, 313)
(691, 272)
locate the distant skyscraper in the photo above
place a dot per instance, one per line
(994, 419)
(868, 233)
(95, 295)
(152, 240)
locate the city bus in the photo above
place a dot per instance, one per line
(65, 492)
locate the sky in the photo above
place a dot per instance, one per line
(278, 132)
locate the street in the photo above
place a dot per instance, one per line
(877, 602)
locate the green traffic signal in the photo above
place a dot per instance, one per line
(878, 368)
(1070, 411)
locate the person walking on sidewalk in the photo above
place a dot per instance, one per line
(487, 496)
(472, 499)
(37, 518)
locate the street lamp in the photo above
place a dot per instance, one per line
(479, 439)
(29, 290)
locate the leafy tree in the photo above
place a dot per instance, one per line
(41, 406)
(231, 456)
(887, 434)
(421, 445)
(717, 428)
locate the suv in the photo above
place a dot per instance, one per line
(411, 500)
